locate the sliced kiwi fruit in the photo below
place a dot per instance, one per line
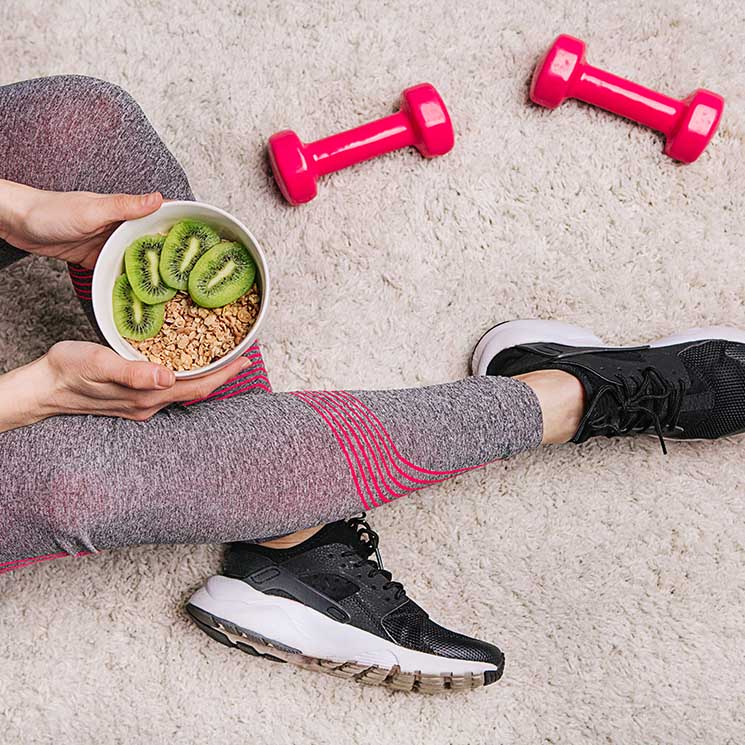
(142, 264)
(185, 243)
(134, 319)
(222, 275)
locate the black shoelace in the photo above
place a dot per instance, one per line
(367, 544)
(632, 405)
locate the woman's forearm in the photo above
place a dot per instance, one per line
(6, 207)
(22, 396)
(14, 201)
(18, 404)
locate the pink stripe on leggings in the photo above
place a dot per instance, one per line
(355, 450)
(387, 436)
(242, 387)
(352, 423)
(347, 416)
(387, 458)
(348, 430)
(365, 450)
(9, 566)
(341, 445)
(243, 390)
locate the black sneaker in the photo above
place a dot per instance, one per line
(325, 605)
(688, 386)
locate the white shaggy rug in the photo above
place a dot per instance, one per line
(612, 576)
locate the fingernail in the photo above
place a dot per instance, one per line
(246, 363)
(151, 199)
(163, 378)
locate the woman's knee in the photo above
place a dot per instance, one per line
(105, 103)
(121, 150)
(69, 510)
(58, 501)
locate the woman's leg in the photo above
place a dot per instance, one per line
(240, 468)
(248, 467)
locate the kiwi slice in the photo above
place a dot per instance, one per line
(185, 243)
(222, 275)
(142, 264)
(133, 318)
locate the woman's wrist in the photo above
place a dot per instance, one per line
(15, 202)
(26, 395)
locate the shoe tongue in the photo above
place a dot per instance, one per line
(604, 408)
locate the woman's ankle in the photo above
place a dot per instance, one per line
(562, 400)
(291, 540)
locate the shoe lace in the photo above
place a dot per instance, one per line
(367, 541)
(636, 406)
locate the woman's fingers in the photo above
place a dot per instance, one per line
(106, 366)
(104, 212)
(142, 403)
(158, 382)
(188, 390)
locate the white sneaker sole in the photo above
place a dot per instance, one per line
(236, 615)
(513, 333)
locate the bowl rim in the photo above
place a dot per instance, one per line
(98, 290)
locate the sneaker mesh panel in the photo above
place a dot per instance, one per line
(411, 627)
(722, 366)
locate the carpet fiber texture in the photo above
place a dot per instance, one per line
(612, 576)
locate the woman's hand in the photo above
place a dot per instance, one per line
(76, 377)
(72, 226)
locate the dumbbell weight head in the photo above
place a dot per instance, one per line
(429, 118)
(697, 126)
(553, 76)
(292, 171)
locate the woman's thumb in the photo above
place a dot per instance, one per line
(120, 207)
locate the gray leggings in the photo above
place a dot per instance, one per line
(245, 464)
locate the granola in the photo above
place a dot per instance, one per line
(193, 337)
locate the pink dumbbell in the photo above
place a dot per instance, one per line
(688, 125)
(423, 122)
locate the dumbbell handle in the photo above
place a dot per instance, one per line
(361, 143)
(626, 98)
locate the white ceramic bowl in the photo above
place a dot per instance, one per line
(110, 265)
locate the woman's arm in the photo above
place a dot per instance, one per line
(11, 208)
(8, 254)
(19, 404)
(71, 226)
(77, 377)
